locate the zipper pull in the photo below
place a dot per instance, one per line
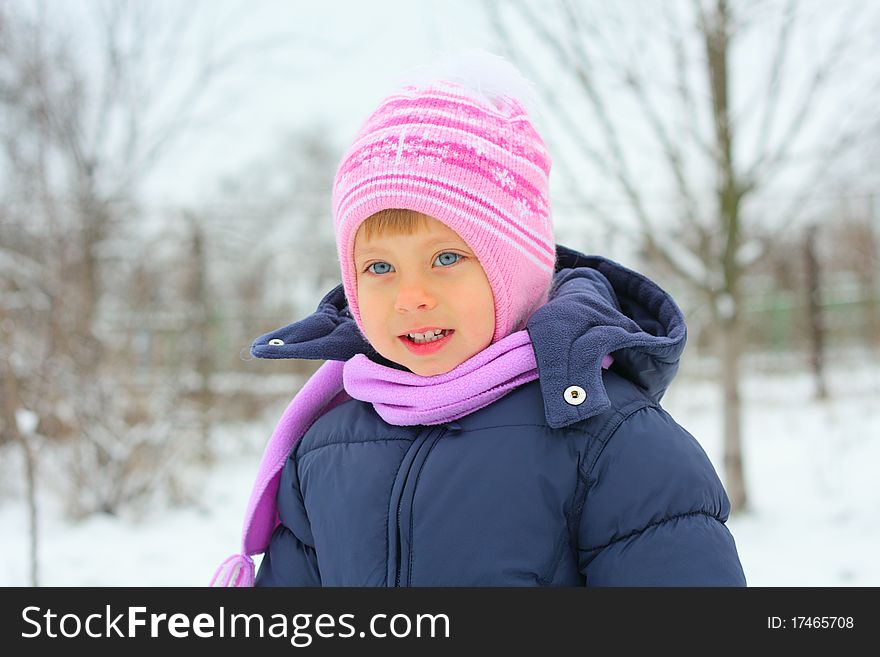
(453, 426)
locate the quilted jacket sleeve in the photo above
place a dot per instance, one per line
(290, 559)
(655, 510)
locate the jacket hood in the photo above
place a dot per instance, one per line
(596, 307)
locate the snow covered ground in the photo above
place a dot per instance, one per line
(811, 473)
(810, 468)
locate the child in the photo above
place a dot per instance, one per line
(488, 413)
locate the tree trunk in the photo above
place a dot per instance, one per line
(717, 33)
(200, 333)
(869, 281)
(814, 314)
(10, 396)
(31, 472)
(731, 333)
(93, 231)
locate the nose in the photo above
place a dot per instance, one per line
(414, 295)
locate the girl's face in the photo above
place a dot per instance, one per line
(413, 283)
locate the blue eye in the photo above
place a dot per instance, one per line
(450, 253)
(377, 263)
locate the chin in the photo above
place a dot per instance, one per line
(435, 371)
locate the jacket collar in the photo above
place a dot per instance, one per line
(600, 307)
(596, 307)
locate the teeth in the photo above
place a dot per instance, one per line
(430, 336)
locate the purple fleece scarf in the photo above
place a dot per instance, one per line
(400, 398)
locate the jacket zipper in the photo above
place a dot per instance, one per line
(415, 464)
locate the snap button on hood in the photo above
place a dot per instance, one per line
(575, 395)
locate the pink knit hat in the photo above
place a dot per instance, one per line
(458, 146)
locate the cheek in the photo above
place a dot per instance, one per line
(479, 307)
(369, 306)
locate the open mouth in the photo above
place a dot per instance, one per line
(425, 344)
(427, 337)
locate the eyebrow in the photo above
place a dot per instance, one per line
(430, 242)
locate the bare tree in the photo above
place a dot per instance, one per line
(707, 243)
(12, 432)
(857, 247)
(869, 270)
(198, 298)
(814, 312)
(80, 130)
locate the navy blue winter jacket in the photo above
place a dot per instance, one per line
(528, 491)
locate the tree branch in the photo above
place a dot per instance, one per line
(767, 163)
(775, 84)
(579, 67)
(683, 88)
(813, 182)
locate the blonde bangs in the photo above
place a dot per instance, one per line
(393, 221)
